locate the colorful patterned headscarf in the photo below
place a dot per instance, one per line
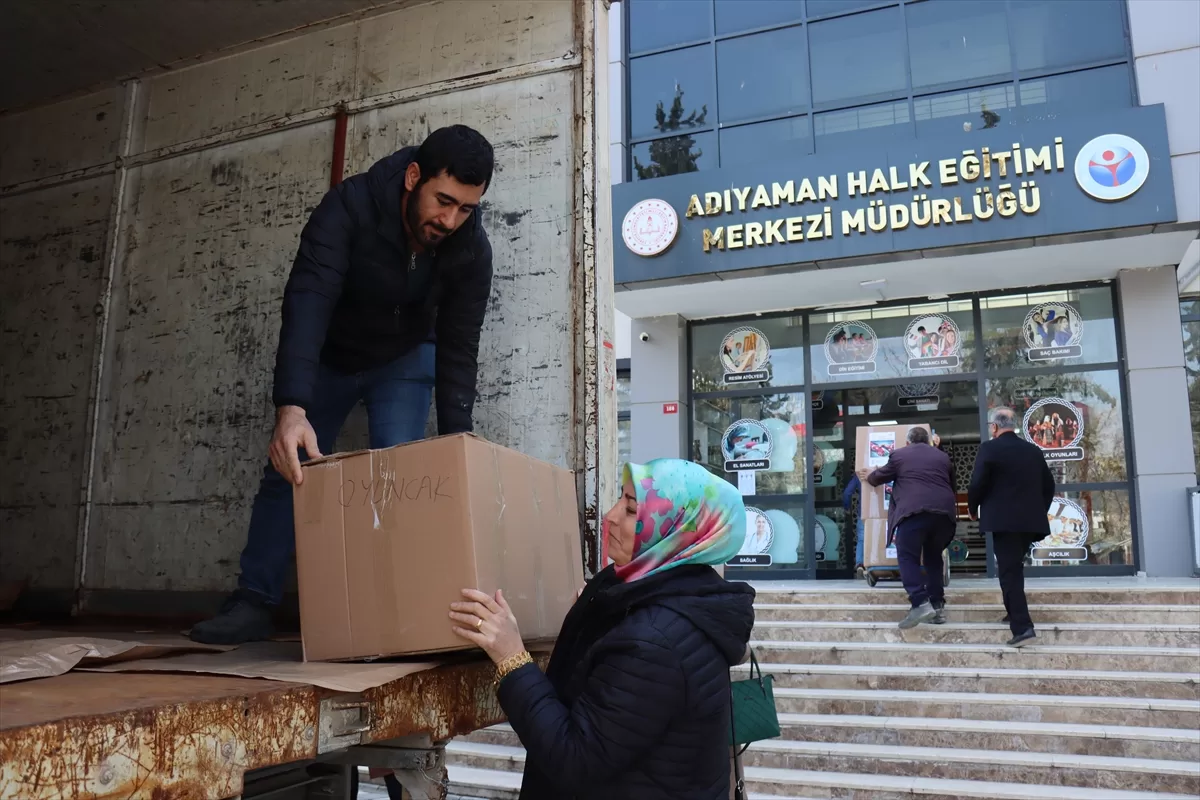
(686, 515)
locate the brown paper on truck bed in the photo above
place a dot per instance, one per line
(386, 539)
(25, 655)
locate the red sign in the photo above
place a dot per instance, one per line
(670, 408)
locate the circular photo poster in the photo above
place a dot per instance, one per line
(1069, 529)
(760, 535)
(745, 353)
(1053, 331)
(850, 348)
(746, 445)
(1056, 426)
(933, 341)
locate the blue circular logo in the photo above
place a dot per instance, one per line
(1112, 167)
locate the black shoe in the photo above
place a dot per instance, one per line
(244, 617)
(1006, 619)
(1022, 639)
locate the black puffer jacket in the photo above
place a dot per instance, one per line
(357, 299)
(635, 702)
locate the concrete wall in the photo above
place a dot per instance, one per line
(1164, 465)
(1166, 51)
(223, 163)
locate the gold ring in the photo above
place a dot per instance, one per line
(479, 623)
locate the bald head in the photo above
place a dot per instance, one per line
(1004, 419)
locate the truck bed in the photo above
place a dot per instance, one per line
(132, 735)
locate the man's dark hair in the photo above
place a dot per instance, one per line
(461, 152)
(918, 436)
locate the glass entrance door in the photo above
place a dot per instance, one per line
(950, 408)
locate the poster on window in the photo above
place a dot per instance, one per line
(1053, 331)
(880, 445)
(850, 348)
(1069, 529)
(760, 535)
(745, 356)
(746, 445)
(1056, 426)
(933, 341)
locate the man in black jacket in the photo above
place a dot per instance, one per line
(384, 304)
(1014, 487)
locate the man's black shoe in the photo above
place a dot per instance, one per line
(244, 617)
(1022, 639)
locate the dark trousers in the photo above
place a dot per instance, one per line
(1010, 550)
(923, 535)
(396, 397)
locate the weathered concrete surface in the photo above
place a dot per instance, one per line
(51, 266)
(58, 138)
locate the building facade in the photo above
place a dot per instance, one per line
(842, 214)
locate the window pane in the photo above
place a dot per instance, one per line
(821, 8)
(746, 15)
(1049, 329)
(1189, 307)
(1066, 413)
(1062, 33)
(963, 112)
(725, 354)
(867, 125)
(623, 406)
(858, 57)
(922, 341)
(654, 24)
(1101, 521)
(674, 155)
(670, 91)
(1191, 355)
(775, 427)
(957, 40)
(765, 141)
(1087, 91)
(763, 75)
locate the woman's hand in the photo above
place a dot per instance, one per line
(487, 622)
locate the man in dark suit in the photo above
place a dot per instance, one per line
(921, 519)
(1014, 487)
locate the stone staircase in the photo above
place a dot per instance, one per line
(1105, 706)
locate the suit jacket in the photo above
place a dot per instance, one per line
(1013, 485)
(923, 481)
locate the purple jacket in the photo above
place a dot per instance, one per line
(924, 481)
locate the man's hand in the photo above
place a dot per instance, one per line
(863, 473)
(292, 431)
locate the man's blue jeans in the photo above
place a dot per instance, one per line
(397, 400)
(858, 547)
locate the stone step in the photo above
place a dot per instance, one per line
(995, 680)
(1043, 614)
(1066, 633)
(847, 770)
(1033, 656)
(1114, 741)
(985, 592)
(1048, 769)
(821, 785)
(1062, 709)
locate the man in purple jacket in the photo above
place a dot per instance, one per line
(921, 521)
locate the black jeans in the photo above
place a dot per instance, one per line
(1010, 550)
(926, 534)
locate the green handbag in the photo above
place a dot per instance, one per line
(753, 717)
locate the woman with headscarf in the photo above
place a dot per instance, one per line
(635, 701)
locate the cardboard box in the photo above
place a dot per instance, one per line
(875, 550)
(873, 447)
(386, 539)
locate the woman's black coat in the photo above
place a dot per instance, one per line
(635, 702)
